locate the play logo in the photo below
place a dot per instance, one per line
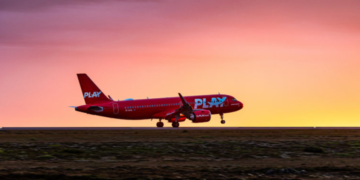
(92, 95)
(208, 104)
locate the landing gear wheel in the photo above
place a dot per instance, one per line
(222, 116)
(175, 124)
(160, 124)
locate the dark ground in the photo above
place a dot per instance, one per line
(180, 154)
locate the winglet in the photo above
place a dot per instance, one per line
(186, 106)
(182, 99)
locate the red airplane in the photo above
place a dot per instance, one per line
(198, 109)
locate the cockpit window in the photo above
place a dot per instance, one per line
(234, 100)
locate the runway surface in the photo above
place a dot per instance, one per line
(166, 128)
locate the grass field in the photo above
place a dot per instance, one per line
(180, 154)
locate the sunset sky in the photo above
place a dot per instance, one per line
(292, 63)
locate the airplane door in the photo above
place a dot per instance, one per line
(116, 108)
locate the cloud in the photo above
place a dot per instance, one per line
(38, 5)
(53, 23)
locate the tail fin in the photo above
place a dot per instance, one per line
(92, 94)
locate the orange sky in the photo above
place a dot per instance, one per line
(292, 63)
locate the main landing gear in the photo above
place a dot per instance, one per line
(222, 120)
(160, 124)
(175, 124)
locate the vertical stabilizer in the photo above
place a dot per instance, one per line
(91, 93)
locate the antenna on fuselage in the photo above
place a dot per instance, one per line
(219, 93)
(147, 97)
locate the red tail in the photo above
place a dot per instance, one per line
(91, 93)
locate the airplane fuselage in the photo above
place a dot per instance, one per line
(147, 108)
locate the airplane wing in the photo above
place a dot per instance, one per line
(171, 115)
(176, 114)
(164, 114)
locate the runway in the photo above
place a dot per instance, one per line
(164, 128)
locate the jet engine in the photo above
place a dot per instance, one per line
(200, 116)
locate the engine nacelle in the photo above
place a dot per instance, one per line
(200, 116)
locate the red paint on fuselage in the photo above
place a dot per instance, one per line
(147, 108)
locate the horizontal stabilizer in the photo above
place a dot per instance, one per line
(95, 108)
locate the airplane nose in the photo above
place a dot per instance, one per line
(241, 105)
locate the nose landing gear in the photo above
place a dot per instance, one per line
(222, 120)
